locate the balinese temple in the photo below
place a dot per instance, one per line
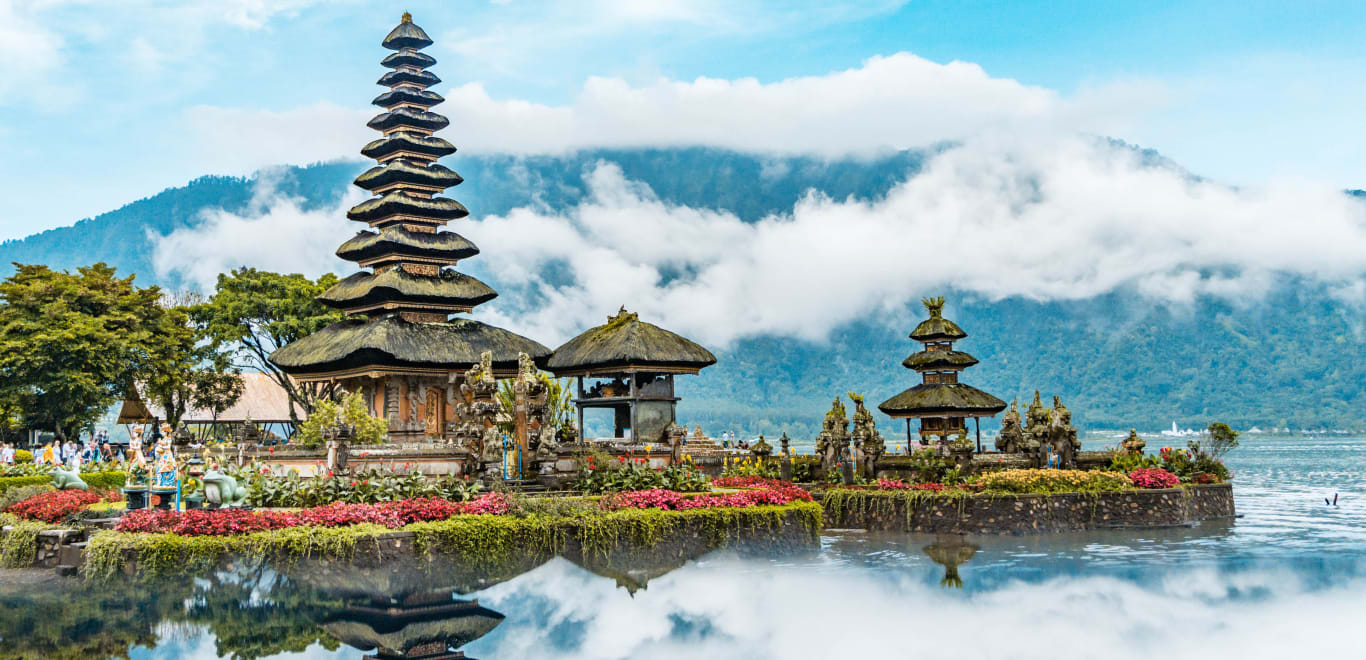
(402, 341)
(940, 402)
(633, 364)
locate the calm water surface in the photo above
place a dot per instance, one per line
(1286, 580)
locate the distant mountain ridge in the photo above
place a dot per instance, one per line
(1118, 361)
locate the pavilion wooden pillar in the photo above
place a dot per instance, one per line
(579, 404)
(635, 396)
(978, 421)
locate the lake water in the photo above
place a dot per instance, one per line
(1286, 580)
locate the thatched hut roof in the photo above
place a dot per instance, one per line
(397, 240)
(408, 117)
(939, 360)
(410, 142)
(942, 399)
(262, 401)
(397, 285)
(406, 35)
(354, 343)
(627, 343)
(398, 202)
(403, 170)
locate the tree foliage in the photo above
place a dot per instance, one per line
(252, 313)
(351, 411)
(72, 343)
(185, 372)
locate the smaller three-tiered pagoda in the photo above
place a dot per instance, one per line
(940, 402)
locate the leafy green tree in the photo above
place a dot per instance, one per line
(253, 313)
(185, 372)
(1221, 440)
(351, 411)
(71, 343)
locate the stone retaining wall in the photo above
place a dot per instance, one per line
(904, 511)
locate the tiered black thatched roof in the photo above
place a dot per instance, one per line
(940, 399)
(414, 287)
(626, 343)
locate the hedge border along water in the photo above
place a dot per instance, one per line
(486, 541)
(95, 480)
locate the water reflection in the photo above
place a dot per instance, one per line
(950, 551)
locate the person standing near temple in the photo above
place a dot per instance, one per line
(7, 454)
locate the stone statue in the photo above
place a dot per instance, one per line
(867, 442)
(676, 435)
(1062, 436)
(761, 449)
(1011, 438)
(67, 480)
(222, 490)
(1036, 425)
(1133, 444)
(833, 442)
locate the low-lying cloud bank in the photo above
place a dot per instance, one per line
(1048, 217)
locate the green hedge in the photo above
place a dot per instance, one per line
(95, 480)
(485, 542)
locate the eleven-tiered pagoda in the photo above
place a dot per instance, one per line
(940, 402)
(399, 343)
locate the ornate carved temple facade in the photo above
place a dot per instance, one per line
(403, 342)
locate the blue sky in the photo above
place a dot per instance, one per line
(103, 103)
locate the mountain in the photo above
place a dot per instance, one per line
(1288, 360)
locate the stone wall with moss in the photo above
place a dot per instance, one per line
(937, 513)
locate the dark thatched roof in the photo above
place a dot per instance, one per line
(405, 141)
(954, 399)
(409, 117)
(408, 58)
(395, 202)
(939, 360)
(937, 328)
(397, 240)
(397, 631)
(626, 342)
(397, 285)
(399, 95)
(406, 35)
(356, 343)
(402, 170)
(423, 78)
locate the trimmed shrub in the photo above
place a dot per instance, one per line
(1154, 478)
(23, 456)
(19, 494)
(1053, 481)
(7, 483)
(55, 506)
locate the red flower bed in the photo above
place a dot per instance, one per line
(658, 498)
(55, 506)
(1153, 478)
(221, 522)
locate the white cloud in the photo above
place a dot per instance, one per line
(1046, 217)
(724, 609)
(895, 101)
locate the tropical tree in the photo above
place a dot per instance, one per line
(185, 372)
(252, 313)
(71, 343)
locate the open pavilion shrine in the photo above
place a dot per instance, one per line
(940, 402)
(634, 364)
(399, 343)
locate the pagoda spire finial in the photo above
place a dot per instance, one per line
(935, 306)
(407, 17)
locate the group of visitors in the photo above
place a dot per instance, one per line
(728, 441)
(94, 448)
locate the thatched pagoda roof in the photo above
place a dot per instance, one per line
(406, 35)
(627, 343)
(398, 202)
(409, 117)
(410, 95)
(397, 240)
(942, 399)
(397, 285)
(402, 170)
(936, 328)
(411, 142)
(356, 343)
(939, 360)
(408, 58)
(397, 631)
(422, 78)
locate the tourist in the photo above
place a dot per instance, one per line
(7, 454)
